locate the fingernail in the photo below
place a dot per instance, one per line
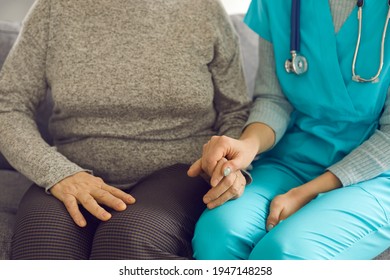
(206, 199)
(106, 215)
(270, 227)
(121, 205)
(227, 171)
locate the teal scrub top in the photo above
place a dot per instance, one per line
(333, 114)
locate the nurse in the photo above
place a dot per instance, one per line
(318, 142)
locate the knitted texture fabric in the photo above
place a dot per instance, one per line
(137, 86)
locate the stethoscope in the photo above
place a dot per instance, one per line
(298, 65)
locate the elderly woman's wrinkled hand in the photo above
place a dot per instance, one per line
(231, 186)
(89, 191)
(239, 155)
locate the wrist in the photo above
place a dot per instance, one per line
(252, 146)
(323, 183)
(260, 136)
(303, 194)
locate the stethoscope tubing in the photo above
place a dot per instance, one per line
(375, 78)
(295, 38)
(295, 41)
(298, 63)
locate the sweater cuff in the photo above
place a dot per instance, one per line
(67, 172)
(341, 174)
(247, 176)
(365, 162)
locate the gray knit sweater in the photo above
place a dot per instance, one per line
(271, 107)
(137, 85)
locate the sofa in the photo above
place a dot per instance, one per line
(13, 184)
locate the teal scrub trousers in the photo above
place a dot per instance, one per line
(347, 223)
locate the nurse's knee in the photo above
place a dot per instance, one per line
(277, 246)
(215, 240)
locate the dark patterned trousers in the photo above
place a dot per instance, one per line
(159, 225)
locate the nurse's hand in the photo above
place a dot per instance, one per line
(239, 153)
(230, 187)
(89, 191)
(284, 205)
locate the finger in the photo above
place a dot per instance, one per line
(91, 205)
(195, 169)
(226, 196)
(221, 188)
(125, 197)
(233, 192)
(219, 201)
(233, 165)
(216, 149)
(273, 219)
(111, 196)
(218, 174)
(229, 166)
(106, 198)
(72, 207)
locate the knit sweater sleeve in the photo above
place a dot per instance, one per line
(22, 88)
(369, 159)
(270, 106)
(231, 100)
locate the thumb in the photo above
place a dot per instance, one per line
(274, 216)
(195, 169)
(232, 166)
(227, 168)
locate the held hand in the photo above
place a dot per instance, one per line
(238, 152)
(89, 191)
(231, 187)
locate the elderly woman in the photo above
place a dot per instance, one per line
(138, 88)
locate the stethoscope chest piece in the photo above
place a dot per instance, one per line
(297, 64)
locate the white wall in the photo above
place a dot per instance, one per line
(14, 10)
(236, 6)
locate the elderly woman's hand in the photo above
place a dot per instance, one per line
(229, 187)
(89, 191)
(239, 153)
